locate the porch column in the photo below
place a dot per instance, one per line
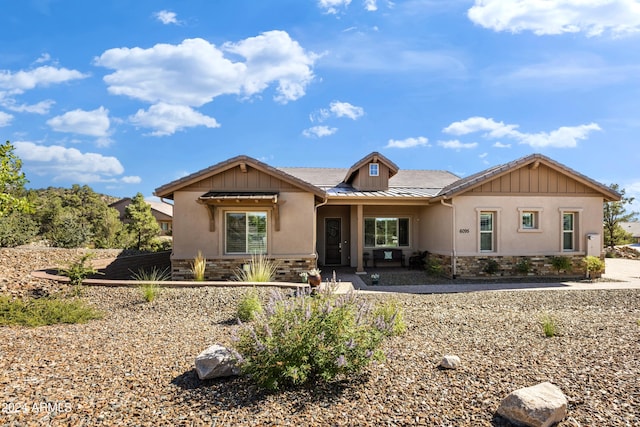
(359, 238)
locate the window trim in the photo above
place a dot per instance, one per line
(537, 212)
(495, 231)
(398, 219)
(374, 169)
(247, 212)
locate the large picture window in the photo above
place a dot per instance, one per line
(246, 232)
(386, 232)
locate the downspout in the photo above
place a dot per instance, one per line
(315, 226)
(453, 238)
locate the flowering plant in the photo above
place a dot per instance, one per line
(314, 272)
(375, 276)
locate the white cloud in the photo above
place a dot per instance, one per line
(5, 119)
(166, 17)
(370, 5)
(344, 109)
(501, 145)
(68, 164)
(167, 119)
(337, 109)
(17, 83)
(563, 137)
(195, 71)
(476, 124)
(41, 107)
(593, 17)
(319, 131)
(332, 6)
(457, 145)
(420, 141)
(131, 179)
(92, 123)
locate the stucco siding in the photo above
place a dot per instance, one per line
(510, 238)
(436, 228)
(192, 231)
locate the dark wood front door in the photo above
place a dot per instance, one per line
(333, 239)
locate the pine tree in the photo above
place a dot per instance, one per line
(141, 224)
(613, 214)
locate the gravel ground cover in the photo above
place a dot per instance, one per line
(135, 366)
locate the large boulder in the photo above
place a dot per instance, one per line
(541, 405)
(215, 362)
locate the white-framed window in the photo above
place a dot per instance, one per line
(374, 169)
(569, 229)
(487, 231)
(386, 232)
(530, 219)
(245, 232)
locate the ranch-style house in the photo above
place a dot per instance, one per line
(529, 210)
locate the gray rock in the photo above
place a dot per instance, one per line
(541, 405)
(215, 362)
(450, 362)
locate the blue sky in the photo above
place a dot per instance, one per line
(126, 96)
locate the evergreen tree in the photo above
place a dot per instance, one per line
(12, 181)
(141, 224)
(613, 214)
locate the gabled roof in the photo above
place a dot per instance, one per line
(167, 190)
(161, 207)
(374, 157)
(475, 180)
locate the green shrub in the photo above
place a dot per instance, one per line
(78, 270)
(523, 266)
(561, 263)
(433, 267)
(199, 267)
(491, 267)
(17, 229)
(549, 325)
(250, 306)
(392, 315)
(594, 265)
(301, 339)
(45, 311)
(259, 269)
(149, 291)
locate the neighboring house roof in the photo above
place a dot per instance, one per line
(631, 227)
(160, 207)
(533, 160)
(167, 190)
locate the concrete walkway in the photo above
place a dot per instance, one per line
(623, 273)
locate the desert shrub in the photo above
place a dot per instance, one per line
(68, 231)
(159, 244)
(198, 267)
(491, 266)
(79, 270)
(17, 229)
(593, 264)
(523, 266)
(45, 311)
(561, 263)
(392, 315)
(151, 291)
(433, 267)
(302, 338)
(259, 269)
(549, 325)
(249, 306)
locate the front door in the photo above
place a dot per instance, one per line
(333, 239)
